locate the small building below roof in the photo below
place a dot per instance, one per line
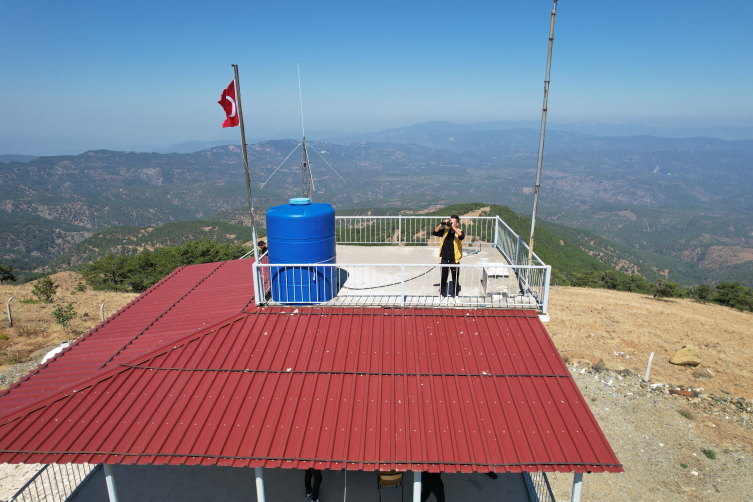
(365, 389)
(384, 375)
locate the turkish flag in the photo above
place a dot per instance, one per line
(227, 102)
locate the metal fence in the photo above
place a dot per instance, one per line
(409, 230)
(516, 283)
(55, 483)
(538, 487)
(514, 249)
(366, 284)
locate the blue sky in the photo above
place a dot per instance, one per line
(128, 75)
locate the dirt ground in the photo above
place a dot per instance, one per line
(659, 437)
(624, 328)
(653, 433)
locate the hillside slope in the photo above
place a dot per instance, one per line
(29, 241)
(132, 240)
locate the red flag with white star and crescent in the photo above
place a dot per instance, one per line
(227, 102)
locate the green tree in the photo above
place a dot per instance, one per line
(6, 273)
(139, 273)
(64, 315)
(733, 295)
(666, 289)
(702, 292)
(45, 289)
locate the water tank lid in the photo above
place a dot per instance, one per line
(300, 201)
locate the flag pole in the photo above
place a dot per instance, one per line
(245, 161)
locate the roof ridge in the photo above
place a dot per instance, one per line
(89, 333)
(105, 373)
(162, 314)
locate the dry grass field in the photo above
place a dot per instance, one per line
(34, 330)
(624, 328)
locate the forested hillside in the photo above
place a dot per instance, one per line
(680, 209)
(130, 241)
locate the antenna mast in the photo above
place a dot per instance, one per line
(305, 164)
(543, 132)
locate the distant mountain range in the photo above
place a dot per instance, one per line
(493, 143)
(414, 133)
(682, 206)
(16, 158)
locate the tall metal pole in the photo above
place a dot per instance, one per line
(543, 132)
(305, 164)
(245, 159)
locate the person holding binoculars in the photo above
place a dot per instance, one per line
(450, 253)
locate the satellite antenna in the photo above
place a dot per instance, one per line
(306, 179)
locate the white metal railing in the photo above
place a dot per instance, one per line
(516, 283)
(55, 483)
(409, 230)
(538, 487)
(493, 285)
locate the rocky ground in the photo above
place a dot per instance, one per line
(660, 436)
(661, 440)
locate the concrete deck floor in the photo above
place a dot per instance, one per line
(380, 283)
(180, 483)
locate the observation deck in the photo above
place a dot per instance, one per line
(393, 261)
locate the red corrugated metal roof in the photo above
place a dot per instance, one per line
(420, 389)
(184, 301)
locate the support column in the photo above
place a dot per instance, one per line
(110, 481)
(260, 497)
(416, 486)
(577, 485)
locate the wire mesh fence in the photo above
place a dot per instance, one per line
(54, 483)
(538, 487)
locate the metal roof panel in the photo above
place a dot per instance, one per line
(421, 389)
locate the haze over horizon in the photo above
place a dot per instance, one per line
(145, 76)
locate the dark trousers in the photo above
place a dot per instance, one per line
(443, 282)
(314, 491)
(431, 482)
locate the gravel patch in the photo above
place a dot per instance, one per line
(660, 438)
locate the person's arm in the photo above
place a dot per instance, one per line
(459, 233)
(438, 231)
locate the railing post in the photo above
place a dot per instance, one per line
(255, 279)
(517, 251)
(399, 228)
(547, 279)
(577, 485)
(110, 481)
(496, 231)
(402, 285)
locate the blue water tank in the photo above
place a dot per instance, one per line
(302, 233)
